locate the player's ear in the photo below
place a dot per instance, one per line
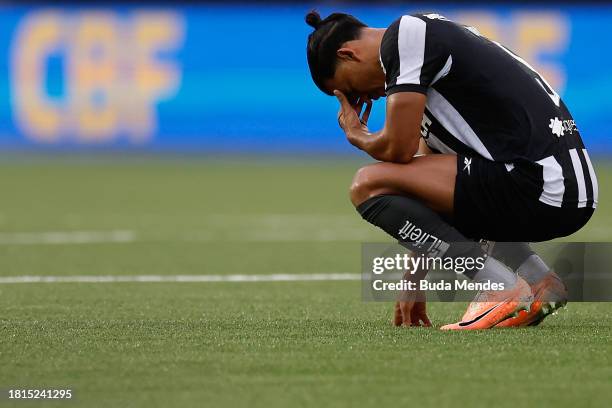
(347, 54)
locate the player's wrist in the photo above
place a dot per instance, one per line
(355, 137)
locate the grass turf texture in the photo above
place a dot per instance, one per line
(251, 344)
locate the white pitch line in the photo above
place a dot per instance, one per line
(67, 237)
(183, 278)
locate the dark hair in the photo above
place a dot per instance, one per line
(325, 40)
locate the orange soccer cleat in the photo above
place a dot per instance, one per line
(549, 294)
(491, 307)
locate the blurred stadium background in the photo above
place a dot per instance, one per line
(187, 138)
(233, 78)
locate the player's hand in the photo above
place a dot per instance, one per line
(411, 308)
(348, 115)
(411, 313)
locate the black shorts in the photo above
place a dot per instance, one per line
(498, 202)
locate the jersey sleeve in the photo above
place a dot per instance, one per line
(414, 53)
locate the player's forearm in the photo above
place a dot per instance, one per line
(381, 146)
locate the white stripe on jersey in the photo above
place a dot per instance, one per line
(553, 189)
(582, 194)
(454, 123)
(444, 71)
(411, 48)
(593, 178)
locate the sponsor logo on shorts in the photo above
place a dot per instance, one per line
(467, 163)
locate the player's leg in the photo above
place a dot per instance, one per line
(503, 202)
(484, 199)
(493, 201)
(429, 178)
(402, 199)
(395, 197)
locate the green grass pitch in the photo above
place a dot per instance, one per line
(264, 344)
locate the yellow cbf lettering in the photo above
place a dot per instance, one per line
(153, 80)
(93, 72)
(36, 114)
(112, 78)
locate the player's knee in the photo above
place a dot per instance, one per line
(365, 185)
(359, 186)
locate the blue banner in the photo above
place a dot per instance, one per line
(235, 79)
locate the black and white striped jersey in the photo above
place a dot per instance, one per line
(482, 99)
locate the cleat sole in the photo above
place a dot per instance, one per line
(548, 309)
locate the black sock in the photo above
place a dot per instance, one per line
(419, 228)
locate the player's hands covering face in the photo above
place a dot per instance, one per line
(349, 115)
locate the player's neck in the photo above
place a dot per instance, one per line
(373, 35)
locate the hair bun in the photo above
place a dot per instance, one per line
(313, 19)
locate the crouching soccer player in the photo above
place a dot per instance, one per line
(511, 165)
